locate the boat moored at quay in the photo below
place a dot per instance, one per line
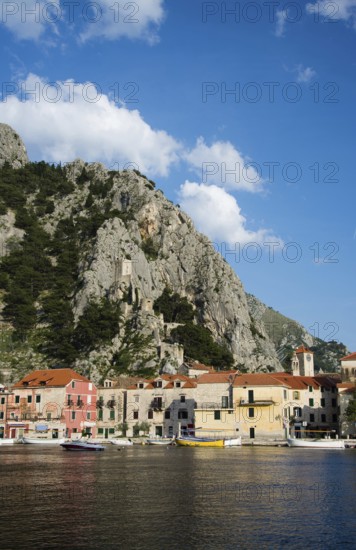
(316, 443)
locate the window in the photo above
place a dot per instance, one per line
(250, 396)
(29, 399)
(322, 402)
(322, 389)
(297, 412)
(69, 402)
(90, 386)
(284, 394)
(136, 398)
(225, 402)
(73, 415)
(100, 431)
(333, 402)
(167, 414)
(73, 384)
(100, 414)
(88, 415)
(3, 400)
(17, 399)
(158, 384)
(177, 384)
(323, 417)
(311, 402)
(251, 412)
(312, 418)
(111, 430)
(334, 417)
(1, 415)
(150, 414)
(182, 398)
(112, 414)
(296, 395)
(182, 414)
(135, 415)
(141, 385)
(310, 388)
(38, 399)
(49, 416)
(217, 415)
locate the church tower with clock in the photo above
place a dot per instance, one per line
(303, 362)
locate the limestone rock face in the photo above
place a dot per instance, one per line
(151, 245)
(12, 149)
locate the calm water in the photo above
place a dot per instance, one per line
(149, 497)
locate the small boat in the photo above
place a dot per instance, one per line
(199, 442)
(122, 442)
(232, 442)
(316, 443)
(7, 441)
(160, 441)
(80, 445)
(41, 441)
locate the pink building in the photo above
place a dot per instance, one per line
(57, 402)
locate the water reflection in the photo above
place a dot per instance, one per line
(152, 497)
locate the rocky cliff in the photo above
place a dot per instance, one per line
(133, 244)
(12, 149)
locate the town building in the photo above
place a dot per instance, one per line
(161, 406)
(348, 368)
(55, 402)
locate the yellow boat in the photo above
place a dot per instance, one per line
(199, 442)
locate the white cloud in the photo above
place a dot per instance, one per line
(327, 11)
(281, 17)
(30, 19)
(222, 165)
(216, 213)
(139, 19)
(39, 19)
(305, 74)
(64, 120)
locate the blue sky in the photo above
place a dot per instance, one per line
(245, 119)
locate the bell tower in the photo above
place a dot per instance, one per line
(306, 361)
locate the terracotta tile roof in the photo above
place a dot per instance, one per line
(346, 388)
(303, 349)
(50, 377)
(200, 366)
(215, 378)
(168, 378)
(296, 382)
(351, 357)
(257, 379)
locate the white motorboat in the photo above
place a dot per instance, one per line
(121, 442)
(160, 441)
(82, 445)
(316, 443)
(232, 442)
(41, 441)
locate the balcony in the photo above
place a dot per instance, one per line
(80, 403)
(256, 403)
(111, 403)
(157, 404)
(99, 404)
(70, 403)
